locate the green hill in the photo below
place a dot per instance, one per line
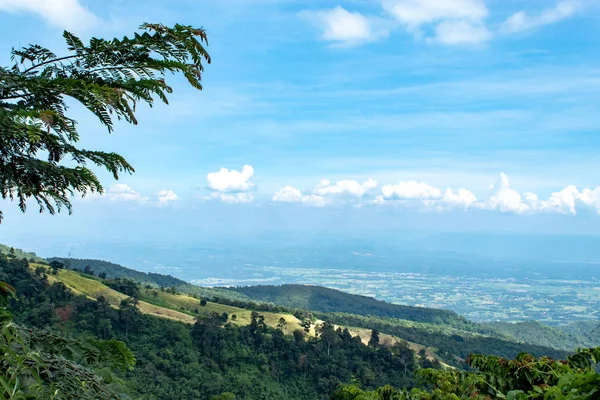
(323, 299)
(18, 253)
(443, 334)
(566, 337)
(113, 270)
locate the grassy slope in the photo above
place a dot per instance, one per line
(318, 298)
(182, 308)
(94, 289)
(113, 270)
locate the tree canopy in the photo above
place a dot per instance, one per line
(39, 157)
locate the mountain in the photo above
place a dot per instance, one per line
(226, 344)
(566, 337)
(318, 298)
(113, 270)
(18, 253)
(453, 337)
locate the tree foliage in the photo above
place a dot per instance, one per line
(39, 157)
(523, 378)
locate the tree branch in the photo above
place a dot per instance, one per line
(49, 62)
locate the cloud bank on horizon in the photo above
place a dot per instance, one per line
(236, 187)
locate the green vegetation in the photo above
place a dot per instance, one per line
(107, 269)
(525, 377)
(567, 337)
(215, 356)
(450, 344)
(323, 299)
(210, 357)
(18, 253)
(112, 270)
(44, 365)
(109, 78)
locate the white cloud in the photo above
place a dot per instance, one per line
(166, 196)
(231, 181)
(65, 14)
(231, 186)
(570, 200)
(344, 188)
(522, 20)
(463, 198)
(291, 195)
(410, 190)
(453, 22)
(415, 13)
(342, 26)
(122, 192)
(505, 199)
(461, 32)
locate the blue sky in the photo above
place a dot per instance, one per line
(437, 114)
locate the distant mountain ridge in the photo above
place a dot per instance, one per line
(341, 307)
(113, 270)
(319, 298)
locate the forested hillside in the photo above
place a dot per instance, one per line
(453, 342)
(566, 337)
(11, 251)
(111, 270)
(230, 352)
(176, 360)
(323, 299)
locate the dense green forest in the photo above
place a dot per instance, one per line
(175, 360)
(452, 345)
(112, 270)
(566, 337)
(453, 341)
(323, 299)
(214, 358)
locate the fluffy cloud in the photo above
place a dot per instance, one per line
(64, 14)
(231, 181)
(121, 192)
(502, 198)
(460, 32)
(291, 195)
(410, 190)
(344, 188)
(505, 199)
(461, 199)
(342, 26)
(522, 21)
(325, 193)
(231, 186)
(453, 22)
(570, 200)
(166, 196)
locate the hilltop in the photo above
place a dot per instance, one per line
(446, 335)
(318, 298)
